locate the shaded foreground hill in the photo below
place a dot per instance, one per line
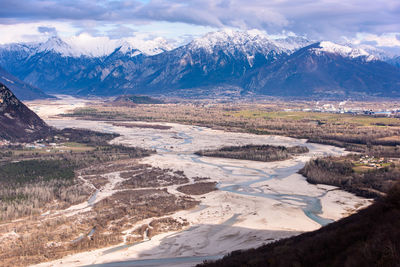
(17, 121)
(368, 238)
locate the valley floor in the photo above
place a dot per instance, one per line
(256, 203)
(138, 194)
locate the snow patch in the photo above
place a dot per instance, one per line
(344, 51)
(7, 79)
(89, 46)
(248, 43)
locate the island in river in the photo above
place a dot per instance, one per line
(254, 152)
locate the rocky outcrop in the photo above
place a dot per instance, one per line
(17, 121)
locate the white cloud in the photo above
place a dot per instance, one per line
(383, 40)
(318, 19)
(30, 32)
(100, 46)
(91, 45)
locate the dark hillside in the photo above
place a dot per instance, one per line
(17, 122)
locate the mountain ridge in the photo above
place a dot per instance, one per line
(316, 71)
(247, 62)
(22, 90)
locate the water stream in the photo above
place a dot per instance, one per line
(250, 184)
(311, 205)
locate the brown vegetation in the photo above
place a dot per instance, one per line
(357, 133)
(147, 176)
(38, 238)
(347, 173)
(142, 125)
(163, 225)
(30, 185)
(198, 188)
(140, 204)
(37, 187)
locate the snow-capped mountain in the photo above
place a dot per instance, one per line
(248, 43)
(127, 49)
(57, 66)
(292, 43)
(379, 54)
(88, 46)
(242, 61)
(76, 64)
(232, 41)
(148, 47)
(56, 45)
(219, 58)
(327, 69)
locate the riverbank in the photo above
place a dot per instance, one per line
(256, 202)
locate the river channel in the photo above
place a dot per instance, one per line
(268, 185)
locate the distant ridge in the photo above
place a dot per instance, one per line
(223, 63)
(327, 70)
(21, 89)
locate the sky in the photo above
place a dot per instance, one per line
(374, 22)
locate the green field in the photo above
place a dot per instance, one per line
(333, 118)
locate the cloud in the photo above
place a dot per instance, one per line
(120, 31)
(35, 31)
(381, 40)
(318, 19)
(47, 30)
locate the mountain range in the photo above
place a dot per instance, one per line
(327, 69)
(220, 63)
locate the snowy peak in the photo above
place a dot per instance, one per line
(231, 41)
(127, 49)
(137, 47)
(342, 50)
(292, 43)
(376, 52)
(78, 46)
(248, 42)
(147, 47)
(221, 38)
(55, 44)
(153, 47)
(237, 45)
(19, 47)
(87, 46)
